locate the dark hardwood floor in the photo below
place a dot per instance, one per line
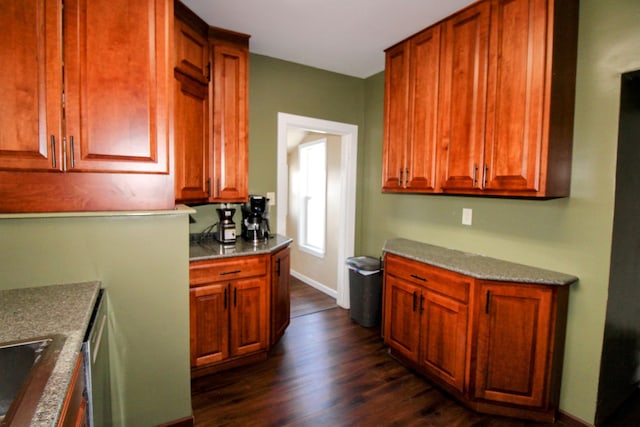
(306, 299)
(329, 371)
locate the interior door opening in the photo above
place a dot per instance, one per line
(346, 137)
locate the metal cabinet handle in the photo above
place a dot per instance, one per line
(475, 173)
(278, 266)
(422, 279)
(421, 304)
(406, 176)
(415, 300)
(209, 187)
(53, 151)
(486, 304)
(484, 175)
(73, 157)
(400, 178)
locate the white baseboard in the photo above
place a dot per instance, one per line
(315, 284)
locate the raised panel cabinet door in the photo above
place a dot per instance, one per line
(396, 104)
(402, 316)
(191, 139)
(280, 294)
(444, 338)
(463, 98)
(249, 315)
(514, 334)
(424, 80)
(209, 323)
(517, 98)
(117, 83)
(230, 126)
(30, 85)
(192, 52)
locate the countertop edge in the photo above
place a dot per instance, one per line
(212, 250)
(48, 409)
(475, 265)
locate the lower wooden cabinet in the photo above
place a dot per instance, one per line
(239, 308)
(496, 346)
(280, 293)
(74, 408)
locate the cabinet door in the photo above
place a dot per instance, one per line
(209, 323)
(516, 98)
(514, 328)
(116, 85)
(444, 340)
(280, 294)
(402, 316)
(396, 92)
(31, 85)
(230, 105)
(463, 98)
(424, 77)
(191, 138)
(249, 316)
(192, 52)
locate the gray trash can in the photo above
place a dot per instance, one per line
(365, 290)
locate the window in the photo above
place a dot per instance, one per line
(313, 196)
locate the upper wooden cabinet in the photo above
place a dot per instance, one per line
(411, 107)
(505, 90)
(211, 113)
(463, 98)
(106, 116)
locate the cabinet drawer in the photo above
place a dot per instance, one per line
(435, 279)
(226, 269)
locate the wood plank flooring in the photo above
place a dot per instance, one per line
(329, 371)
(306, 299)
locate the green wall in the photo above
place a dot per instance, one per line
(142, 262)
(571, 235)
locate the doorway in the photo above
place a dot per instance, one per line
(620, 363)
(348, 145)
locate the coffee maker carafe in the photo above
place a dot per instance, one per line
(255, 220)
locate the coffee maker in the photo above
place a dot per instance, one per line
(255, 219)
(226, 232)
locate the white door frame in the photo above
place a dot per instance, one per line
(348, 166)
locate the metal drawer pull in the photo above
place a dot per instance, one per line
(224, 273)
(419, 278)
(414, 301)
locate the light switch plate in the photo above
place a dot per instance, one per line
(272, 198)
(467, 215)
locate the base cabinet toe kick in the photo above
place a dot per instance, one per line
(495, 345)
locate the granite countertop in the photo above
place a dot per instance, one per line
(209, 248)
(40, 311)
(475, 265)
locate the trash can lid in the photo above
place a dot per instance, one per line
(365, 263)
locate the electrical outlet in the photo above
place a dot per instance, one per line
(272, 198)
(467, 215)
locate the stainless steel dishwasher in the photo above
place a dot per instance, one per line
(95, 349)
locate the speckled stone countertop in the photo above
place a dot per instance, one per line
(474, 265)
(40, 311)
(211, 249)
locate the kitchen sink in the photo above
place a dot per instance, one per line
(25, 367)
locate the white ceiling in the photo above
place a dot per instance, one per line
(344, 36)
